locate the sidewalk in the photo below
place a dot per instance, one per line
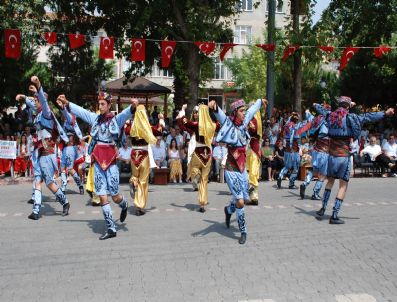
(15, 180)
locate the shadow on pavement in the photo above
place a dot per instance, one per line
(98, 226)
(189, 206)
(217, 227)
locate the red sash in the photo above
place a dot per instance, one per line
(339, 147)
(322, 145)
(204, 154)
(104, 155)
(137, 156)
(236, 158)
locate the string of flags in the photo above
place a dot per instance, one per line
(12, 41)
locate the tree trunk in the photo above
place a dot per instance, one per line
(193, 73)
(297, 75)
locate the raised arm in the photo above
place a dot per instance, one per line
(320, 109)
(305, 125)
(219, 114)
(127, 113)
(87, 116)
(39, 93)
(250, 113)
(28, 100)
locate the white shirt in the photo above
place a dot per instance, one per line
(125, 153)
(390, 150)
(158, 152)
(372, 151)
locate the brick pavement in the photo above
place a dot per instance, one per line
(177, 254)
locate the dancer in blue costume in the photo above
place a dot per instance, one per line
(48, 130)
(342, 126)
(319, 156)
(234, 132)
(69, 152)
(292, 133)
(105, 131)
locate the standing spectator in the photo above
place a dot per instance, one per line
(175, 162)
(218, 155)
(20, 164)
(273, 131)
(5, 163)
(155, 116)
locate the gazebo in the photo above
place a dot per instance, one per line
(138, 87)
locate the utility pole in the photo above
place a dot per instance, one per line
(297, 73)
(271, 27)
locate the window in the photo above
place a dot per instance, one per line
(246, 5)
(242, 34)
(221, 72)
(279, 6)
(158, 72)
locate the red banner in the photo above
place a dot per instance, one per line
(226, 47)
(106, 47)
(50, 37)
(327, 49)
(12, 41)
(347, 54)
(267, 47)
(167, 50)
(381, 50)
(76, 40)
(206, 47)
(289, 51)
(138, 50)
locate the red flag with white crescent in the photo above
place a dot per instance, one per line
(138, 47)
(327, 49)
(206, 47)
(106, 47)
(267, 47)
(12, 41)
(381, 50)
(76, 40)
(289, 51)
(50, 37)
(347, 54)
(167, 49)
(225, 48)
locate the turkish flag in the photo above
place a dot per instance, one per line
(381, 50)
(225, 48)
(167, 49)
(206, 47)
(76, 40)
(12, 41)
(50, 37)
(267, 47)
(106, 47)
(347, 54)
(138, 50)
(327, 49)
(289, 51)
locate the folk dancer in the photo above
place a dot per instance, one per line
(142, 136)
(234, 132)
(69, 152)
(292, 133)
(105, 130)
(342, 126)
(48, 130)
(254, 157)
(319, 156)
(201, 135)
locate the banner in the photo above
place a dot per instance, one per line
(8, 149)
(12, 43)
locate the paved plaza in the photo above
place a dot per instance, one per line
(174, 253)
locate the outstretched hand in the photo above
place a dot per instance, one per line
(265, 102)
(389, 111)
(35, 80)
(212, 104)
(20, 97)
(62, 101)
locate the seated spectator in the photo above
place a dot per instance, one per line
(174, 159)
(124, 157)
(375, 153)
(278, 158)
(21, 162)
(304, 152)
(268, 162)
(218, 155)
(159, 154)
(390, 149)
(5, 163)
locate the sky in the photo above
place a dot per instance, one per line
(318, 9)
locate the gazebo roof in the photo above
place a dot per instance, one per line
(135, 87)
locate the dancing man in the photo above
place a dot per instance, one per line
(342, 126)
(69, 152)
(105, 131)
(319, 156)
(292, 133)
(142, 136)
(234, 132)
(48, 130)
(201, 135)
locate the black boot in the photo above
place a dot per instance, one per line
(81, 190)
(89, 193)
(201, 210)
(227, 218)
(123, 214)
(302, 189)
(33, 216)
(31, 201)
(320, 212)
(279, 183)
(243, 238)
(316, 197)
(335, 220)
(109, 234)
(65, 211)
